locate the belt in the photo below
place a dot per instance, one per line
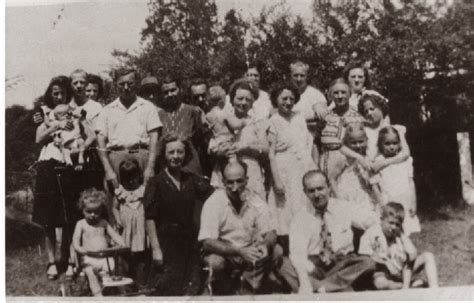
(131, 149)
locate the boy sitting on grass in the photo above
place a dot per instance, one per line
(394, 252)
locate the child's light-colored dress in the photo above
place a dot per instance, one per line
(132, 215)
(396, 184)
(292, 163)
(373, 137)
(353, 185)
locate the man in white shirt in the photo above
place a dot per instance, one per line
(321, 242)
(128, 127)
(312, 104)
(79, 101)
(237, 233)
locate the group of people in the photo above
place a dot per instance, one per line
(241, 191)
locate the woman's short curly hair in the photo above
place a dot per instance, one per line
(244, 84)
(92, 196)
(172, 137)
(280, 87)
(95, 79)
(377, 101)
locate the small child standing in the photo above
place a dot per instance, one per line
(396, 180)
(394, 253)
(91, 235)
(130, 217)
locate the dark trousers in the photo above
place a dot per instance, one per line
(341, 275)
(229, 275)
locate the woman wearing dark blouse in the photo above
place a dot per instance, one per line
(173, 202)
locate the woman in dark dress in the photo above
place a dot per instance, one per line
(173, 202)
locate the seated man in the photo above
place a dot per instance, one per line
(237, 234)
(321, 242)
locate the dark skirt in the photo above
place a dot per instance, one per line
(57, 192)
(181, 273)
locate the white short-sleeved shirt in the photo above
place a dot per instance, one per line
(374, 243)
(308, 99)
(92, 109)
(221, 221)
(305, 229)
(127, 127)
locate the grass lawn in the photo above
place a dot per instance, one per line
(444, 233)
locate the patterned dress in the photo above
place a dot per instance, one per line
(186, 123)
(332, 161)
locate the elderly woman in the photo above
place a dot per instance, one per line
(249, 142)
(173, 201)
(332, 161)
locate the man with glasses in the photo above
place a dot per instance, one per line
(237, 234)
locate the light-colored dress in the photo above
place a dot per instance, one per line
(292, 163)
(332, 161)
(354, 186)
(396, 184)
(132, 215)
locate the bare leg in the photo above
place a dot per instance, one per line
(94, 283)
(67, 156)
(427, 260)
(80, 160)
(381, 282)
(50, 241)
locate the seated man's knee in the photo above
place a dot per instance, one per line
(215, 262)
(380, 282)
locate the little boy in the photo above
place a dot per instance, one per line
(395, 254)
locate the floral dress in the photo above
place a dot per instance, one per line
(132, 216)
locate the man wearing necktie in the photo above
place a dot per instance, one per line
(321, 242)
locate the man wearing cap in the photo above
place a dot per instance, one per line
(127, 128)
(149, 89)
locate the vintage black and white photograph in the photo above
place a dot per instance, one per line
(239, 150)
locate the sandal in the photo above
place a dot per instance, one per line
(51, 276)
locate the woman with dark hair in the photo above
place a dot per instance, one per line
(249, 143)
(94, 87)
(58, 92)
(173, 202)
(358, 78)
(48, 210)
(292, 153)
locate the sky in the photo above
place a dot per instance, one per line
(50, 37)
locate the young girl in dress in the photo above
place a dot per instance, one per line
(396, 181)
(92, 234)
(129, 216)
(374, 108)
(354, 183)
(292, 153)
